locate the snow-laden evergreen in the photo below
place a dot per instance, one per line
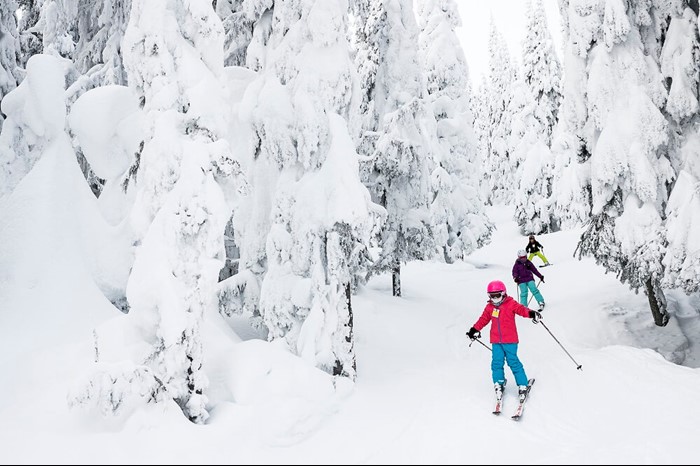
(35, 113)
(532, 163)
(173, 53)
(682, 258)
(680, 62)
(57, 26)
(316, 216)
(239, 30)
(397, 137)
(541, 69)
(9, 51)
(614, 120)
(534, 112)
(459, 221)
(480, 109)
(29, 31)
(101, 25)
(499, 166)
(679, 58)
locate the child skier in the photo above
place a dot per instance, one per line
(523, 271)
(535, 249)
(500, 311)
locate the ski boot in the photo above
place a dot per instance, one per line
(499, 388)
(522, 392)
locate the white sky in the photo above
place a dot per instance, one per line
(423, 395)
(510, 17)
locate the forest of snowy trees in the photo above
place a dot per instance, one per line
(265, 158)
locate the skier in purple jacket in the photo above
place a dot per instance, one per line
(523, 271)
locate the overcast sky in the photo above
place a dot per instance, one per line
(510, 17)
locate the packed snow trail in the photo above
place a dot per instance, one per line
(422, 396)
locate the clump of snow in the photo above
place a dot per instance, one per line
(109, 126)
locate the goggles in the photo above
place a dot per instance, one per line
(496, 296)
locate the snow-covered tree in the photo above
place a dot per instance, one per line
(480, 108)
(615, 125)
(25, 137)
(571, 188)
(541, 70)
(248, 229)
(100, 27)
(532, 163)
(57, 26)
(680, 60)
(682, 258)
(395, 140)
(173, 53)
(533, 109)
(680, 65)
(458, 218)
(307, 201)
(29, 33)
(499, 167)
(9, 50)
(239, 30)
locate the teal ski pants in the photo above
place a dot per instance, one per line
(506, 352)
(524, 287)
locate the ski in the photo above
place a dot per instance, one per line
(521, 403)
(499, 399)
(497, 409)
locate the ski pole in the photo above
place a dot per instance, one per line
(480, 342)
(578, 366)
(531, 295)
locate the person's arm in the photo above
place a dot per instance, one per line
(522, 310)
(514, 272)
(539, 245)
(483, 320)
(532, 267)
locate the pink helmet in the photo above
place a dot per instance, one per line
(495, 286)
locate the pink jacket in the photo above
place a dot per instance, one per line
(502, 318)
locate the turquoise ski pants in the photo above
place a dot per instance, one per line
(533, 289)
(502, 352)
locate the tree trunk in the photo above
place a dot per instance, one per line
(339, 369)
(657, 302)
(396, 280)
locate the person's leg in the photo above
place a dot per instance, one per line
(535, 292)
(511, 354)
(497, 364)
(523, 293)
(540, 254)
(532, 254)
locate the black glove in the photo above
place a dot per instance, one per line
(473, 334)
(542, 279)
(535, 316)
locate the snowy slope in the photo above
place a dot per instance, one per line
(423, 395)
